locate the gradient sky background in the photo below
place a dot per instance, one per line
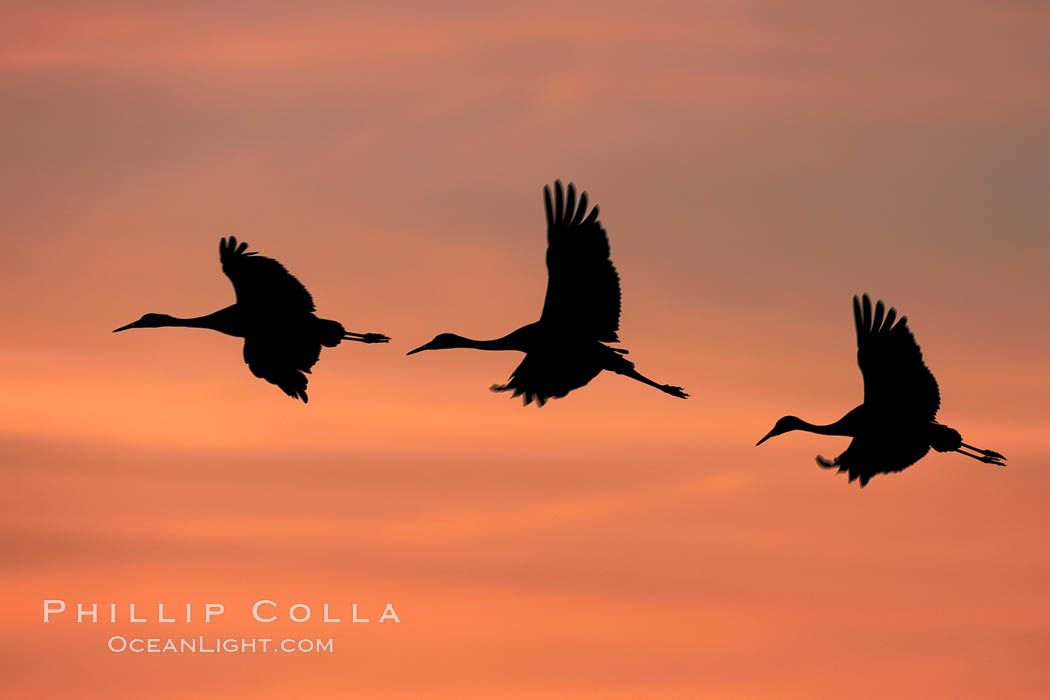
(756, 163)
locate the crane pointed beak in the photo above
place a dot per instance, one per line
(420, 348)
(124, 328)
(768, 435)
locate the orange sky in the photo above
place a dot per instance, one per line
(756, 164)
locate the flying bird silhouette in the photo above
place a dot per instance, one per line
(274, 314)
(894, 428)
(566, 348)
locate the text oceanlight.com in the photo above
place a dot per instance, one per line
(218, 645)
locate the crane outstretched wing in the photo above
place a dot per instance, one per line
(583, 289)
(549, 374)
(897, 382)
(260, 282)
(866, 456)
(282, 360)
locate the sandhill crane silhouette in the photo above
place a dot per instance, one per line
(894, 428)
(566, 348)
(274, 314)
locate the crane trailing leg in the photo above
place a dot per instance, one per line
(986, 456)
(945, 439)
(666, 388)
(366, 337)
(614, 361)
(331, 333)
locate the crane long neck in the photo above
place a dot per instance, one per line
(830, 429)
(193, 322)
(507, 342)
(228, 320)
(843, 426)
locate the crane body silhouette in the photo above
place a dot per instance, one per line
(895, 426)
(566, 348)
(274, 313)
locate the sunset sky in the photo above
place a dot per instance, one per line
(756, 164)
